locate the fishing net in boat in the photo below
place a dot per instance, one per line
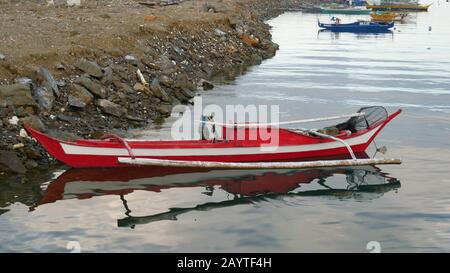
(372, 115)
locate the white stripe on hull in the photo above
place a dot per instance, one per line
(82, 150)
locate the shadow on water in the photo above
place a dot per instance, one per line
(245, 186)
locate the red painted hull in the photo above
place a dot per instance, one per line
(292, 146)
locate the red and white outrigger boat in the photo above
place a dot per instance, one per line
(352, 137)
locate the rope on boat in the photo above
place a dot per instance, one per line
(257, 165)
(350, 150)
(121, 140)
(281, 123)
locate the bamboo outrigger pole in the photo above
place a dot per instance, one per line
(258, 165)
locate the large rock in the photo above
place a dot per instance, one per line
(123, 87)
(182, 81)
(46, 80)
(206, 85)
(111, 108)
(79, 96)
(181, 97)
(94, 87)
(158, 91)
(107, 75)
(16, 95)
(34, 122)
(9, 162)
(187, 93)
(164, 109)
(44, 97)
(90, 67)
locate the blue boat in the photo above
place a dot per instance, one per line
(359, 26)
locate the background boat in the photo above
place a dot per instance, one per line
(387, 17)
(345, 10)
(358, 27)
(393, 5)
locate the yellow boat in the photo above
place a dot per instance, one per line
(387, 17)
(401, 7)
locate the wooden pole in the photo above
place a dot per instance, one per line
(257, 165)
(277, 124)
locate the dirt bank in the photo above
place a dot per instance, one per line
(72, 71)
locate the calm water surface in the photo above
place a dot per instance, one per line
(404, 208)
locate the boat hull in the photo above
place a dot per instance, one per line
(292, 146)
(398, 7)
(358, 28)
(346, 11)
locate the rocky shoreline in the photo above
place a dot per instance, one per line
(94, 91)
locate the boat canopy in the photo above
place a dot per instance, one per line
(372, 115)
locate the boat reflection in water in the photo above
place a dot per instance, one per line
(358, 35)
(245, 186)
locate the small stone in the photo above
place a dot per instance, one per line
(23, 80)
(90, 67)
(2, 57)
(131, 59)
(18, 146)
(61, 83)
(23, 133)
(233, 21)
(107, 75)
(164, 109)
(67, 118)
(149, 18)
(75, 102)
(249, 40)
(166, 81)
(94, 87)
(187, 93)
(72, 3)
(220, 32)
(158, 91)
(206, 85)
(111, 108)
(139, 87)
(60, 66)
(133, 118)
(14, 120)
(79, 96)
